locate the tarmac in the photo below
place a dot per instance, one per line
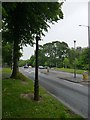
(61, 75)
(67, 76)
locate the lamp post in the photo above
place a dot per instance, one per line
(88, 33)
(75, 59)
(88, 47)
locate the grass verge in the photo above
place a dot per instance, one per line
(70, 70)
(16, 105)
(6, 73)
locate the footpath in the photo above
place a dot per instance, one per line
(67, 76)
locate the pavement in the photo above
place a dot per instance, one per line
(67, 76)
(78, 79)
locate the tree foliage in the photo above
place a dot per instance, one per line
(29, 19)
(58, 54)
(83, 60)
(66, 62)
(22, 21)
(7, 53)
(51, 54)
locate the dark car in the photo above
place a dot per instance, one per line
(26, 66)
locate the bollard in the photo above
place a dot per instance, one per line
(47, 69)
(85, 75)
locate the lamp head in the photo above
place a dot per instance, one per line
(74, 41)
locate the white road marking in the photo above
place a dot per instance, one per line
(30, 71)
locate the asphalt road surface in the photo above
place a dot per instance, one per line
(73, 95)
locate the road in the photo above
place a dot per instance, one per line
(73, 95)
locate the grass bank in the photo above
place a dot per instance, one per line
(6, 72)
(17, 97)
(70, 70)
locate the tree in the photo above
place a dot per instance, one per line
(53, 54)
(41, 56)
(83, 60)
(7, 53)
(71, 57)
(23, 21)
(55, 51)
(32, 61)
(66, 62)
(23, 62)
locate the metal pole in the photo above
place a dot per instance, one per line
(75, 59)
(89, 52)
(88, 48)
(89, 36)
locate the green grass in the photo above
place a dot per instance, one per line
(16, 106)
(71, 70)
(6, 70)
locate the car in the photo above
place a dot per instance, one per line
(41, 67)
(30, 66)
(26, 66)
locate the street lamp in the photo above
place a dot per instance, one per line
(75, 59)
(88, 33)
(88, 47)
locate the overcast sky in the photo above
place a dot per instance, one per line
(67, 30)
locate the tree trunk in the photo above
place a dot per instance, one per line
(15, 59)
(36, 84)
